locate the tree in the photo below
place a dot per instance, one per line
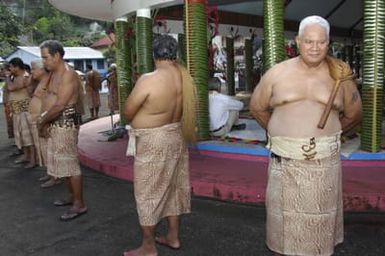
(37, 20)
(58, 26)
(10, 29)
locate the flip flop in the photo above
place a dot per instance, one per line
(51, 183)
(30, 166)
(20, 161)
(44, 178)
(73, 214)
(163, 241)
(62, 202)
(15, 154)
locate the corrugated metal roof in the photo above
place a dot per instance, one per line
(104, 42)
(70, 52)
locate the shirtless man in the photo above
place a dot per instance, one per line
(161, 178)
(33, 114)
(113, 94)
(18, 80)
(41, 76)
(7, 109)
(58, 122)
(304, 191)
(92, 91)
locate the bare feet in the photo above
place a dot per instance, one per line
(140, 252)
(51, 182)
(30, 165)
(170, 243)
(44, 178)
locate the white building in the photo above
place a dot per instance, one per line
(78, 56)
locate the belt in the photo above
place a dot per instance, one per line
(217, 129)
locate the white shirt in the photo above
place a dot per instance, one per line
(219, 107)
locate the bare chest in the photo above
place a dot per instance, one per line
(314, 89)
(19, 94)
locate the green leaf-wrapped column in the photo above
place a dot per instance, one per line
(249, 65)
(274, 39)
(182, 48)
(348, 54)
(230, 82)
(357, 57)
(373, 74)
(144, 41)
(196, 50)
(124, 65)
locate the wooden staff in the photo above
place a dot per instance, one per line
(339, 71)
(329, 105)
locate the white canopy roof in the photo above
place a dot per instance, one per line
(70, 52)
(108, 9)
(346, 14)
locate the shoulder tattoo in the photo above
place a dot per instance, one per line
(355, 96)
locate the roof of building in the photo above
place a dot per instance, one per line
(70, 52)
(340, 13)
(104, 42)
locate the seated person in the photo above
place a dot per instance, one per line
(223, 110)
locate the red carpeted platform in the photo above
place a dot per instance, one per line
(226, 176)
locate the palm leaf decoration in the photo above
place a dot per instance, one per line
(182, 48)
(144, 41)
(249, 65)
(230, 66)
(196, 46)
(123, 63)
(274, 40)
(373, 74)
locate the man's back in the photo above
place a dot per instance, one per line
(159, 96)
(93, 79)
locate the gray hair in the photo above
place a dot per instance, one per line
(53, 47)
(311, 20)
(164, 47)
(38, 63)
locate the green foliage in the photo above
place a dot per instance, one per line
(274, 43)
(110, 54)
(249, 65)
(182, 49)
(144, 44)
(124, 65)
(230, 69)
(40, 21)
(10, 28)
(373, 74)
(58, 26)
(197, 59)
